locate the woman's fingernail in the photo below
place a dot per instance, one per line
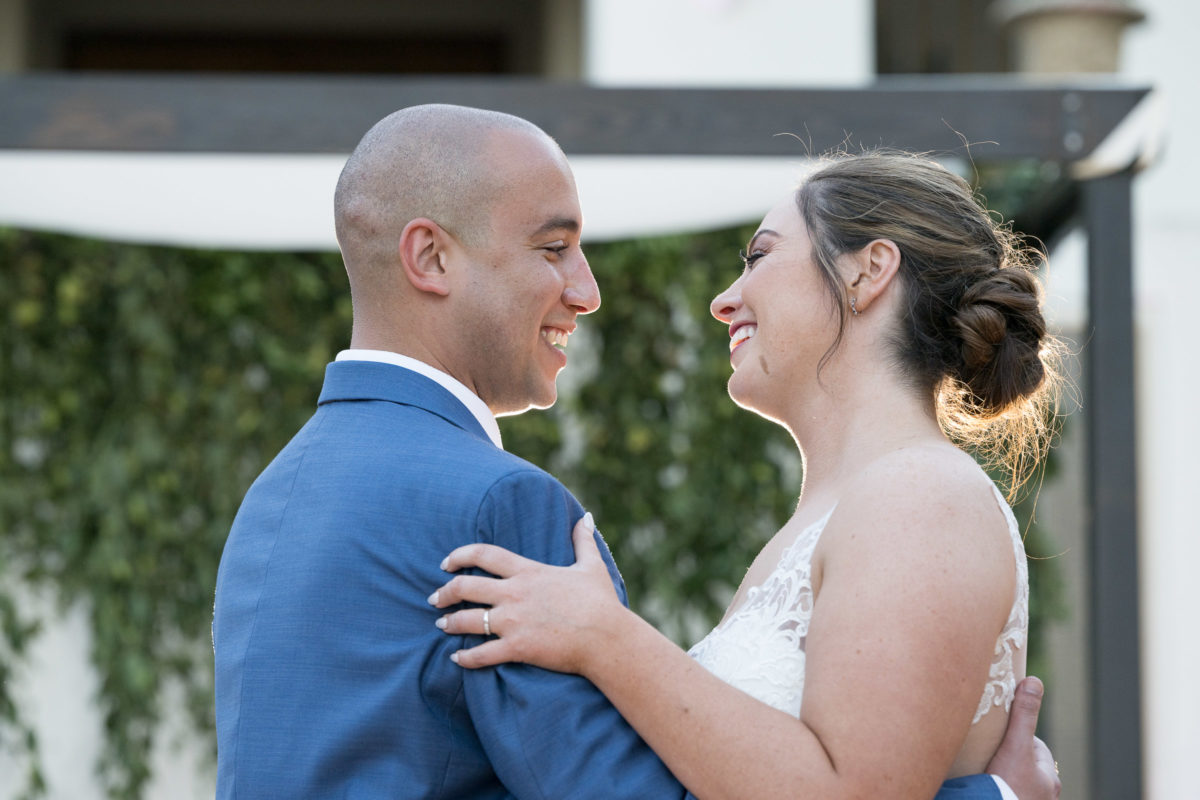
(441, 623)
(454, 657)
(445, 563)
(589, 522)
(432, 599)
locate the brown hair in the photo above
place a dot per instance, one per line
(972, 334)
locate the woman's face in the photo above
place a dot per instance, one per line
(781, 316)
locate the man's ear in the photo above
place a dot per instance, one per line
(871, 271)
(423, 245)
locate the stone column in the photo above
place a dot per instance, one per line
(14, 35)
(1057, 36)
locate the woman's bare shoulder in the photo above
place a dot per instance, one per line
(928, 507)
(931, 481)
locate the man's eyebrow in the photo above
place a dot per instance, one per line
(557, 224)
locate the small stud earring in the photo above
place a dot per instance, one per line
(854, 306)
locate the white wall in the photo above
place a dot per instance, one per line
(56, 690)
(729, 42)
(1167, 220)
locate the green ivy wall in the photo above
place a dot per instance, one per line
(143, 388)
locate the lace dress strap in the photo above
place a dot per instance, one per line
(1002, 678)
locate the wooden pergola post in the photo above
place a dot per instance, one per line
(1116, 752)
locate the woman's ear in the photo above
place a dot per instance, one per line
(873, 269)
(423, 253)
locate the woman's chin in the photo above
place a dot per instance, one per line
(741, 395)
(754, 402)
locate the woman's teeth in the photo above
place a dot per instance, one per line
(740, 335)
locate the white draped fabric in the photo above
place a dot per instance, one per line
(285, 202)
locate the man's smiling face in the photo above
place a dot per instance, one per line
(528, 280)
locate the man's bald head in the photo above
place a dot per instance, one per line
(425, 161)
(460, 232)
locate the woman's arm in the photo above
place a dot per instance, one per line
(898, 650)
(569, 620)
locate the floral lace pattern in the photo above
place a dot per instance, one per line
(759, 648)
(1002, 678)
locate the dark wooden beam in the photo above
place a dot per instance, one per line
(1116, 752)
(1000, 118)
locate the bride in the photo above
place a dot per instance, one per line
(874, 647)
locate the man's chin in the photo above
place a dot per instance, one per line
(541, 402)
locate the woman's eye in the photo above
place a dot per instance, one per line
(748, 260)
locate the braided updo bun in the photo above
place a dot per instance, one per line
(972, 333)
(1000, 323)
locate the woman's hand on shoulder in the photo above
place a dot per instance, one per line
(552, 617)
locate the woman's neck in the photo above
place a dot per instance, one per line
(848, 421)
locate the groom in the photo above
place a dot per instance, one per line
(460, 233)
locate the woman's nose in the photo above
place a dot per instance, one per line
(726, 304)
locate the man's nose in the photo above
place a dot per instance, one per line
(581, 292)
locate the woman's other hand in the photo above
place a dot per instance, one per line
(552, 617)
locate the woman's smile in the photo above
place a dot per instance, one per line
(740, 334)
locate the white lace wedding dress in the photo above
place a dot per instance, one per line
(759, 648)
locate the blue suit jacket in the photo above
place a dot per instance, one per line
(332, 680)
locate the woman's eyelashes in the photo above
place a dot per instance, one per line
(749, 259)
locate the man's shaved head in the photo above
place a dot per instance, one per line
(460, 233)
(425, 161)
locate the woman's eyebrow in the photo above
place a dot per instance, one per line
(758, 233)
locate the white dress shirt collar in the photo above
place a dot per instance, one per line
(1006, 792)
(474, 404)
